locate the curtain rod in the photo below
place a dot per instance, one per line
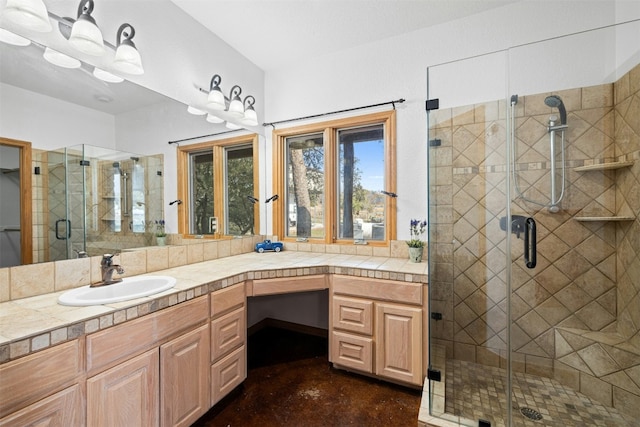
(398, 101)
(177, 141)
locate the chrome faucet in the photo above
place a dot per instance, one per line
(107, 268)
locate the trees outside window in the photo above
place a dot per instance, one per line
(332, 175)
(216, 181)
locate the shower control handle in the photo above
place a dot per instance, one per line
(530, 252)
(67, 234)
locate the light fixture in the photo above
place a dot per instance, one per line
(60, 59)
(31, 14)
(236, 108)
(216, 100)
(127, 57)
(106, 76)
(244, 111)
(214, 119)
(85, 34)
(12, 38)
(195, 111)
(250, 117)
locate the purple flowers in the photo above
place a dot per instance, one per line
(417, 229)
(160, 228)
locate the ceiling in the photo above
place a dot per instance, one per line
(274, 33)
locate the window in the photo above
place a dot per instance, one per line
(216, 184)
(332, 176)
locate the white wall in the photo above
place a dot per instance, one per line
(49, 123)
(396, 68)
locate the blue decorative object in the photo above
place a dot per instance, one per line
(268, 245)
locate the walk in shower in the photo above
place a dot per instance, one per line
(534, 234)
(93, 200)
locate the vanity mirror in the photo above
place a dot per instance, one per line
(77, 125)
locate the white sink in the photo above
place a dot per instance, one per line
(129, 288)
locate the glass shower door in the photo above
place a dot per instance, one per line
(66, 202)
(534, 233)
(468, 269)
(575, 283)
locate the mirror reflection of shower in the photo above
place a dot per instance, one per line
(556, 128)
(120, 187)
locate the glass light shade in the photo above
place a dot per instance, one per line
(86, 37)
(14, 39)
(31, 14)
(250, 117)
(214, 119)
(215, 100)
(60, 59)
(195, 111)
(232, 126)
(106, 76)
(128, 60)
(236, 108)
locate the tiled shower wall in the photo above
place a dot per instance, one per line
(576, 315)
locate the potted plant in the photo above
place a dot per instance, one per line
(161, 234)
(416, 244)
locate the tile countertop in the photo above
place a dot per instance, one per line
(31, 324)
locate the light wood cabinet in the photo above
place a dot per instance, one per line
(127, 394)
(165, 385)
(228, 340)
(60, 409)
(184, 383)
(376, 328)
(43, 387)
(399, 342)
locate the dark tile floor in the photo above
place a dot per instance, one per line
(290, 383)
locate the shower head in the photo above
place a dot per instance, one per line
(554, 101)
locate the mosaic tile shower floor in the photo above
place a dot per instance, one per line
(475, 392)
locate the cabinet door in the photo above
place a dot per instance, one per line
(127, 394)
(227, 333)
(61, 409)
(185, 378)
(399, 342)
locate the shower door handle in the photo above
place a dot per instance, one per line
(67, 231)
(530, 252)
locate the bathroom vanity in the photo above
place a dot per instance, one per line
(167, 359)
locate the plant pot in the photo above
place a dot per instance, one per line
(161, 241)
(415, 254)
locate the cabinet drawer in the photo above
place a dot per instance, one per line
(385, 290)
(106, 348)
(227, 299)
(227, 332)
(45, 372)
(352, 351)
(227, 374)
(353, 315)
(289, 284)
(61, 409)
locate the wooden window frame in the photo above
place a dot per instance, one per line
(329, 130)
(217, 147)
(26, 190)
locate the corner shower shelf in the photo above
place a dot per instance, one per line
(604, 166)
(603, 218)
